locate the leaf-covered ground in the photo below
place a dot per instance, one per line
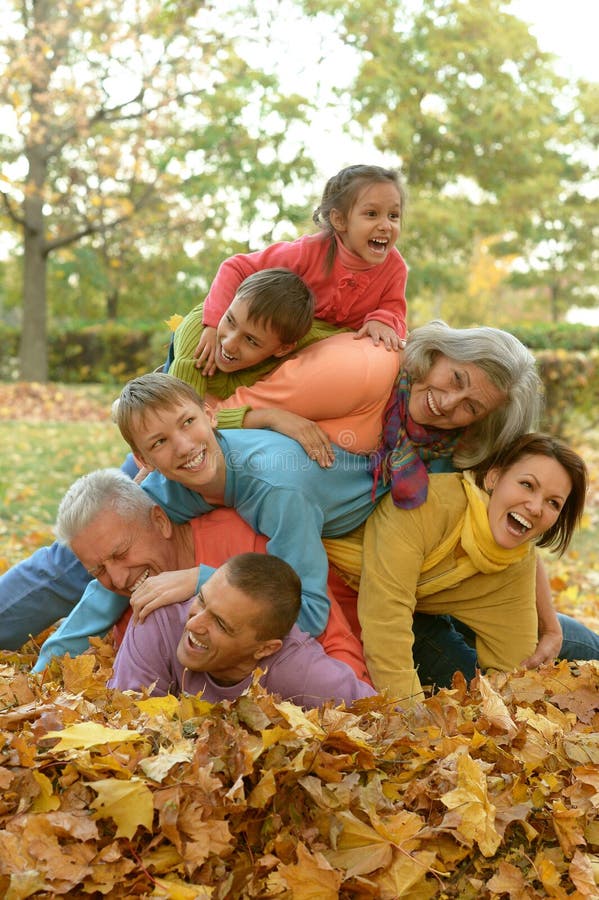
(485, 791)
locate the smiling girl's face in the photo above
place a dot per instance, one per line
(453, 395)
(526, 499)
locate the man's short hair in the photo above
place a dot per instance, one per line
(272, 583)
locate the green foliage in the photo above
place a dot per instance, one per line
(110, 353)
(571, 381)
(493, 143)
(561, 336)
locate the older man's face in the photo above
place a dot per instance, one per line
(121, 552)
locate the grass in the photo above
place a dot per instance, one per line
(40, 459)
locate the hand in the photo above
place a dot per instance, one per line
(306, 432)
(379, 332)
(161, 590)
(205, 352)
(548, 648)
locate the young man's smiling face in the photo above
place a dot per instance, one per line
(121, 551)
(242, 342)
(220, 633)
(180, 442)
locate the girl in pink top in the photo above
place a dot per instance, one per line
(356, 273)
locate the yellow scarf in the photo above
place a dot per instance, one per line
(481, 553)
(472, 531)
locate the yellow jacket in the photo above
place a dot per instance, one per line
(429, 560)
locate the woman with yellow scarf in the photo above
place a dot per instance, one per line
(468, 551)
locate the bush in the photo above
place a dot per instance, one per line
(562, 336)
(109, 353)
(571, 381)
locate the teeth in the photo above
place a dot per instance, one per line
(226, 355)
(194, 640)
(140, 580)
(197, 460)
(521, 520)
(431, 402)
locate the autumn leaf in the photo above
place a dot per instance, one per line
(128, 803)
(173, 321)
(475, 814)
(91, 734)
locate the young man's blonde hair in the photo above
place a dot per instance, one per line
(148, 393)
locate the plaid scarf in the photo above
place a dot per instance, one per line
(407, 448)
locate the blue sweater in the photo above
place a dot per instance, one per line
(281, 493)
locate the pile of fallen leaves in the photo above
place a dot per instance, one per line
(485, 791)
(37, 402)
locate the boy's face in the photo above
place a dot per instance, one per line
(241, 343)
(180, 443)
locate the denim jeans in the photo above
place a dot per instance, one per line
(443, 645)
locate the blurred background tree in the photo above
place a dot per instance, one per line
(129, 123)
(143, 144)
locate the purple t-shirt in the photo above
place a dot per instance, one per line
(300, 671)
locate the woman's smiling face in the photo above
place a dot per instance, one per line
(453, 395)
(526, 499)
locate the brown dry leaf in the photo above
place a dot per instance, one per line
(438, 800)
(311, 878)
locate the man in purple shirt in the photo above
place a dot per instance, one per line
(241, 616)
(241, 619)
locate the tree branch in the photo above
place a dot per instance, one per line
(12, 214)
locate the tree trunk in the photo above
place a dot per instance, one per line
(33, 347)
(112, 304)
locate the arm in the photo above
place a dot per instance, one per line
(94, 615)
(392, 559)
(185, 364)
(550, 631)
(392, 307)
(293, 525)
(307, 433)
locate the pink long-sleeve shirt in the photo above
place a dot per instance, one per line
(350, 294)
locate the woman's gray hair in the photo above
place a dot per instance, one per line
(90, 495)
(508, 365)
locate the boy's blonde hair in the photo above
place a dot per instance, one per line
(149, 393)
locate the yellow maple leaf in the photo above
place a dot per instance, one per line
(128, 803)
(90, 734)
(470, 800)
(173, 321)
(47, 799)
(154, 706)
